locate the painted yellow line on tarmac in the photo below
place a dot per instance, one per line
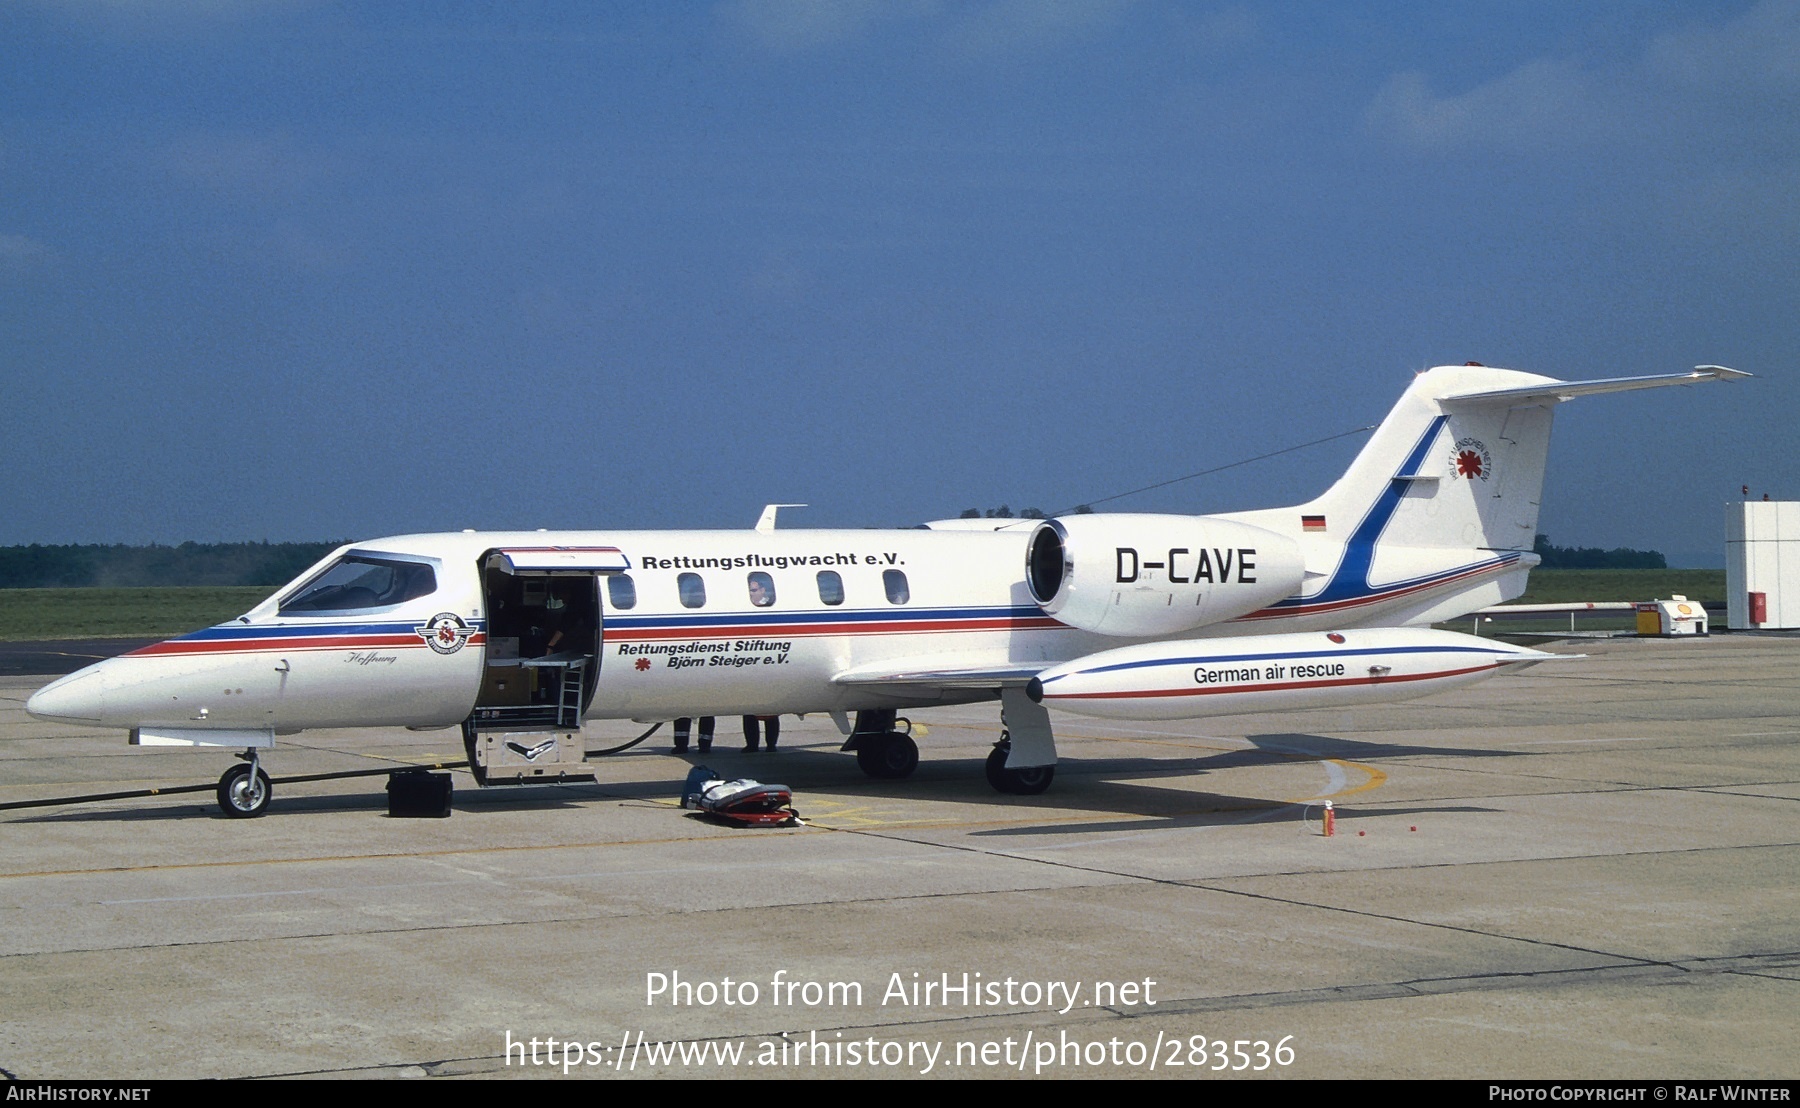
(388, 856)
(1375, 779)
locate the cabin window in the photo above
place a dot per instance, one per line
(356, 582)
(762, 589)
(831, 587)
(693, 590)
(622, 591)
(895, 582)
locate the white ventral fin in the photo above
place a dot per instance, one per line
(260, 738)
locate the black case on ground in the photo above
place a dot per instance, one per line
(419, 795)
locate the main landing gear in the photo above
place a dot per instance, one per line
(886, 752)
(888, 756)
(244, 790)
(1028, 781)
(884, 749)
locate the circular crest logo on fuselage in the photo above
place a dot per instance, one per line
(1470, 458)
(445, 632)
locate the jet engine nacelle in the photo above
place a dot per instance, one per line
(1140, 575)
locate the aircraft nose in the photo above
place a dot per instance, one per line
(78, 698)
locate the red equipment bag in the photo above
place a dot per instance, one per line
(744, 802)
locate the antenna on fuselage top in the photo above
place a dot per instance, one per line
(767, 522)
(1226, 466)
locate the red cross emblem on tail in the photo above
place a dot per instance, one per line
(1469, 458)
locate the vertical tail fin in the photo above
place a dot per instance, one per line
(1437, 514)
(1446, 474)
(1446, 469)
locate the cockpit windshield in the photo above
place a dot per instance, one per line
(358, 581)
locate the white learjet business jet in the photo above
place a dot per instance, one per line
(517, 637)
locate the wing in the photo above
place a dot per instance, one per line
(926, 676)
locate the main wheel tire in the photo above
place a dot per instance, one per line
(1030, 781)
(1025, 781)
(887, 757)
(996, 765)
(242, 797)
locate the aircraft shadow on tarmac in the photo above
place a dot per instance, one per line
(201, 805)
(1159, 807)
(1305, 745)
(1118, 786)
(1100, 786)
(1167, 809)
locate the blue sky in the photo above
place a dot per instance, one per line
(298, 270)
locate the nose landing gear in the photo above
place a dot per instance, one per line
(244, 790)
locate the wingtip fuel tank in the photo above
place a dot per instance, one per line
(1271, 673)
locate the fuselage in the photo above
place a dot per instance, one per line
(679, 623)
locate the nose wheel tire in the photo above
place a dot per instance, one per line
(242, 796)
(1024, 781)
(887, 757)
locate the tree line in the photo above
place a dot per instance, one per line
(154, 566)
(1592, 557)
(1004, 512)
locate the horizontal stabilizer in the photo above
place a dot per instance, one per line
(1555, 392)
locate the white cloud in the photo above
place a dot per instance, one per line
(1031, 26)
(1684, 87)
(162, 16)
(990, 28)
(1758, 51)
(1540, 103)
(1223, 27)
(20, 255)
(779, 279)
(1694, 138)
(311, 250)
(249, 165)
(799, 25)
